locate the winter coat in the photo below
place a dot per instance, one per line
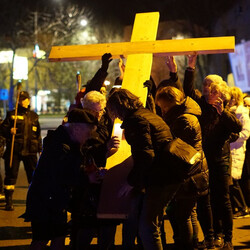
(216, 129)
(28, 134)
(58, 170)
(147, 134)
(238, 148)
(98, 142)
(184, 124)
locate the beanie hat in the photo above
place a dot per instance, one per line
(81, 116)
(24, 95)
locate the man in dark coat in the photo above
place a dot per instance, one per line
(27, 144)
(58, 170)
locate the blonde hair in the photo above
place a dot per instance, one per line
(92, 98)
(209, 79)
(237, 95)
(222, 88)
(170, 94)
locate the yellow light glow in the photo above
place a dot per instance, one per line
(106, 82)
(6, 56)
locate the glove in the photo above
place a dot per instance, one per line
(148, 84)
(106, 59)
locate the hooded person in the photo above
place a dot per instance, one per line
(181, 115)
(57, 172)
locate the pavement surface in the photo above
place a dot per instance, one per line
(15, 234)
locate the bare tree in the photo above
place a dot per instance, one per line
(24, 27)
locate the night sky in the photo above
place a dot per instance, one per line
(123, 11)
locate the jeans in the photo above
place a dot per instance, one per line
(205, 216)
(220, 200)
(154, 202)
(130, 225)
(237, 197)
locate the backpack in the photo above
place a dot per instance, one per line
(192, 167)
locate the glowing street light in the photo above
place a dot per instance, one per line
(106, 83)
(84, 22)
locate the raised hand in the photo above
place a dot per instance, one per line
(192, 60)
(219, 105)
(170, 62)
(148, 84)
(106, 59)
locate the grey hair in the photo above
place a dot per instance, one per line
(93, 97)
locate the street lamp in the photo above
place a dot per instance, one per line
(84, 22)
(35, 55)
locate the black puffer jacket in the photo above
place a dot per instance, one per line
(28, 135)
(184, 124)
(147, 134)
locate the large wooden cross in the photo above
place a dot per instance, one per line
(139, 53)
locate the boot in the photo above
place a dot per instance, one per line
(8, 198)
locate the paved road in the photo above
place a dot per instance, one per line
(49, 123)
(15, 234)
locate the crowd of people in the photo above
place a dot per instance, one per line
(190, 154)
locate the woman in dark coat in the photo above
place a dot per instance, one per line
(217, 124)
(181, 114)
(147, 135)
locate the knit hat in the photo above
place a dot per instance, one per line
(24, 95)
(81, 116)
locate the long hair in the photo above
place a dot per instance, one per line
(237, 95)
(121, 102)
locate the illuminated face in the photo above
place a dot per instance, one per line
(247, 102)
(97, 110)
(213, 96)
(25, 103)
(232, 101)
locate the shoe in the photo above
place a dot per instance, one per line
(210, 243)
(219, 241)
(201, 245)
(195, 243)
(242, 214)
(206, 244)
(228, 245)
(8, 198)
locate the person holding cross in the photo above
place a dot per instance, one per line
(152, 180)
(58, 171)
(217, 124)
(27, 144)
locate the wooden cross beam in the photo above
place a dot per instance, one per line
(139, 54)
(208, 45)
